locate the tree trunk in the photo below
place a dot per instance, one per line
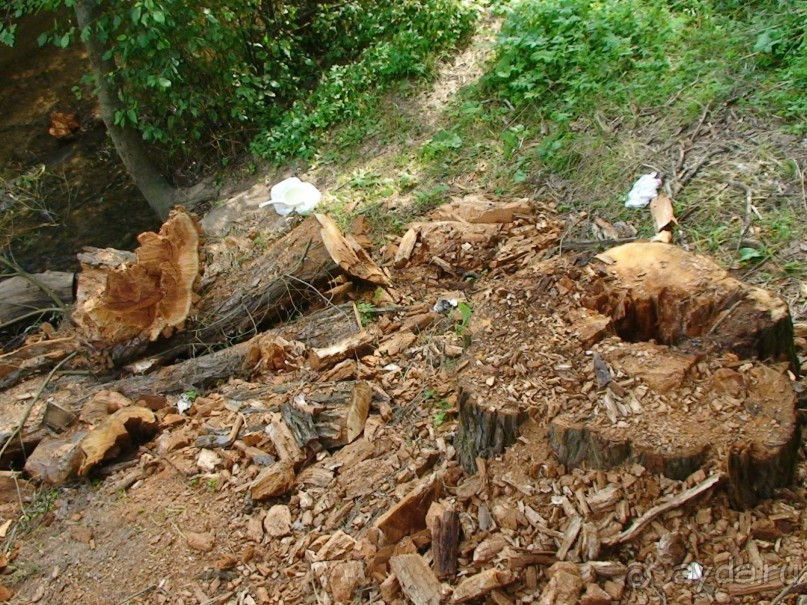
(160, 195)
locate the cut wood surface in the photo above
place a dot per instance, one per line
(417, 580)
(125, 304)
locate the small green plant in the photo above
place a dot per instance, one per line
(465, 312)
(751, 255)
(191, 395)
(440, 143)
(366, 312)
(440, 416)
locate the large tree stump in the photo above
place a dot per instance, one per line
(650, 355)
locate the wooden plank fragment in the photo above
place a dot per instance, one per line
(445, 543)
(355, 344)
(275, 480)
(409, 515)
(417, 580)
(405, 248)
(661, 210)
(284, 442)
(481, 584)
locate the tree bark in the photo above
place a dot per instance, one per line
(160, 195)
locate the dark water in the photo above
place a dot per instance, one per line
(84, 196)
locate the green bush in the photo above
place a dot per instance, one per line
(411, 34)
(192, 76)
(564, 52)
(565, 57)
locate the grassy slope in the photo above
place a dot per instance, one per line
(706, 107)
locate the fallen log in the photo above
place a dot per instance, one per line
(242, 300)
(234, 362)
(29, 296)
(33, 358)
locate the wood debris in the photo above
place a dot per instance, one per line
(585, 416)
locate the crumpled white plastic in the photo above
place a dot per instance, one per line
(694, 572)
(293, 194)
(644, 190)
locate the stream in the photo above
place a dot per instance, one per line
(78, 193)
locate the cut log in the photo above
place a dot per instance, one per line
(335, 411)
(273, 481)
(116, 434)
(409, 515)
(199, 372)
(477, 586)
(272, 286)
(477, 209)
(33, 358)
(283, 440)
(21, 295)
(121, 305)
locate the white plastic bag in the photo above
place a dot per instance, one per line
(293, 194)
(644, 190)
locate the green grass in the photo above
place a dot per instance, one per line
(578, 100)
(581, 98)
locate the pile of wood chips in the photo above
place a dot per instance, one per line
(502, 425)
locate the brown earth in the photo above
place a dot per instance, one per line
(177, 524)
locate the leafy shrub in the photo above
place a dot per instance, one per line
(563, 51)
(413, 32)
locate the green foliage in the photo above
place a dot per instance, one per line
(563, 51)
(566, 57)
(440, 143)
(366, 312)
(465, 313)
(409, 36)
(195, 76)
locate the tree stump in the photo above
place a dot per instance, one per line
(649, 354)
